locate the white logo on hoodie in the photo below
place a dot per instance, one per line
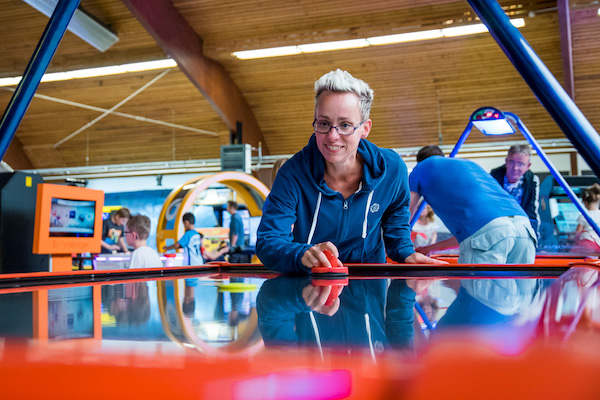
(374, 207)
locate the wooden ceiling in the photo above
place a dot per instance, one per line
(424, 91)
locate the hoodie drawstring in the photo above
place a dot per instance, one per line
(314, 221)
(364, 233)
(368, 325)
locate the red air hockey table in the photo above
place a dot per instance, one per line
(240, 331)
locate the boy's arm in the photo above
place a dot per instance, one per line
(107, 246)
(172, 247)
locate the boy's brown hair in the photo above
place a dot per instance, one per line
(139, 224)
(123, 213)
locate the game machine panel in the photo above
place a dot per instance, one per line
(559, 214)
(67, 221)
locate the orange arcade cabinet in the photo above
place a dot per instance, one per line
(68, 220)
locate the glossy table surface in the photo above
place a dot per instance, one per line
(246, 322)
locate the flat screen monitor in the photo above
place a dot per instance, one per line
(68, 219)
(72, 218)
(567, 216)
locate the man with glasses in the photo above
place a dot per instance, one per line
(516, 178)
(340, 193)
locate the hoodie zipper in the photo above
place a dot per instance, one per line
(344, 219)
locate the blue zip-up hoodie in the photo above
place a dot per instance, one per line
(302, 211)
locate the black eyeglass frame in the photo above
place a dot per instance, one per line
(336, 128)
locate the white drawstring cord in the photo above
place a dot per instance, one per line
(314, 221)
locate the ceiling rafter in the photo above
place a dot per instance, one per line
(179, 40)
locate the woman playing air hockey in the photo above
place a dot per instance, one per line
(339, 193)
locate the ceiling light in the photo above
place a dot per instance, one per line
(83, 25)
(464, 30)
(338, 45)
(372, 41)
(266, 53)
(95, 72)
(405, 37)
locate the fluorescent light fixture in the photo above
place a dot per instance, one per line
(494, 127)
(329, 46)
(518, 22)
(464, 30)
(96, 72)
(266, 53)
(372, 41)
(405, 37)
(81, 24)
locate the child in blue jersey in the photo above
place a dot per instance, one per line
(190, 242)
(488, 225)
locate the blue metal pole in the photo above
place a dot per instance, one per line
(461, 140)
(541, 81)
(457, 147)
(35, 70)
(559, 178)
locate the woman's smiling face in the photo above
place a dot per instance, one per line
(338, 109)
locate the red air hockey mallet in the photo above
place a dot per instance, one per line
(333, 276)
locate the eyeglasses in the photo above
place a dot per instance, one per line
(344, 129)
(126, 232)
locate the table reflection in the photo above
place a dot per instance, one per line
(237, 316)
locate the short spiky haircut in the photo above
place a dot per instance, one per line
(139, 224)
(339, 81)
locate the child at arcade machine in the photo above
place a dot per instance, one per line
(586, 239)
(138, 230)
(112, 232)
(190, 242)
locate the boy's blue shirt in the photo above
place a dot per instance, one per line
(192, 245)
(383, 199)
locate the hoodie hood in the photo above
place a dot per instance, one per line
(374, 167)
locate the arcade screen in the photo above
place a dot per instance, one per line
(72, 218)
(566, 218)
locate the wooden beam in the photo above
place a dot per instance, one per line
(15, 156)
(564, 26)
(179, 40)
